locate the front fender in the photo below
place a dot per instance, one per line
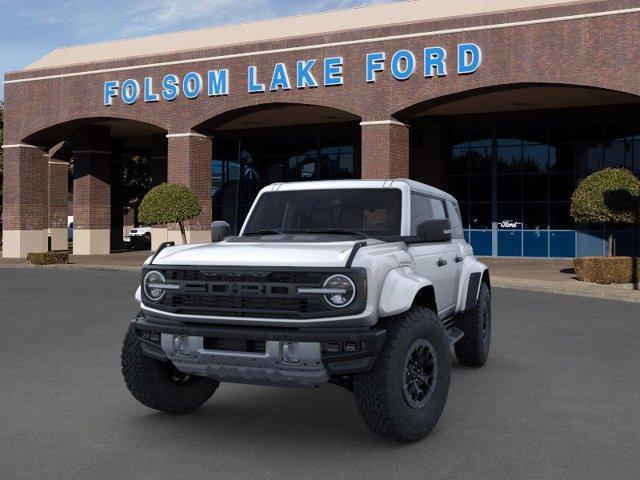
(399, 289)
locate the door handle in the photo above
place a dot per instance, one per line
(442, 262)
(459, 258)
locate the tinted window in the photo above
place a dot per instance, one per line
(373, 211)
(456, 222)
(437, 208)
(420, 211)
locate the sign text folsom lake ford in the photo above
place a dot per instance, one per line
(310, 73)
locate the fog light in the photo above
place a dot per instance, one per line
(181, 345)
(350, 347)
(290, 352)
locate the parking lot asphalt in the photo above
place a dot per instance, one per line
(558, 398)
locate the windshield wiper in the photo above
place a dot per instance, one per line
(344, 231)
(264, 231)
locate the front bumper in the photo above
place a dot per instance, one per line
(316, 365)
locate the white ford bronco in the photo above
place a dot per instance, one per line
(362, 283)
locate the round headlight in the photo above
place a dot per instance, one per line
(151, 278)
(345, 291)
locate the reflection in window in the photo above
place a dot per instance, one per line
(276, 156)
(437, 208)
(510, 159)
(480, 160)
(456, 222)
(535, 158)
(420, 211)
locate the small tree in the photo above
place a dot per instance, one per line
(169, 203)
(609, 196)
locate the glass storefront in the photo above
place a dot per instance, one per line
(246, 161)
(514, 175)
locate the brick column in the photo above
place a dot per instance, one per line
(189, 164)
(116, 241)
(58, 190)
(158, 160)
(92, 192)
(385, 149)
(24, 201)
(159, 233)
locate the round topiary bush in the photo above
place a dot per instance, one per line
(609, 196)
(169, 203)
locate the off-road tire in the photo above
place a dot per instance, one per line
(379, 394)
(473, 348)
(152, 382)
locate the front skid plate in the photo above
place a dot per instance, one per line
(251, 368)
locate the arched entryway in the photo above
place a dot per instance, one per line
(102, 166)
(255, 146)
(513, 155)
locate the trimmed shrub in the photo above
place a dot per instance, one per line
(48, 258)
(607, 270)
(169, 203)
(609, 195)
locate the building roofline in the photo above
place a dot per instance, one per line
(296, 26)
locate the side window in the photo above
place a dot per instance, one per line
(437, 207)
(420, 211)
(456, 223)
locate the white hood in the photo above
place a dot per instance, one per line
(259, 254)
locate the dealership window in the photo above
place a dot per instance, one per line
(538, 159)
(246, 161)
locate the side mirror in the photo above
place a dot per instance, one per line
(219, 230)
(435, 230)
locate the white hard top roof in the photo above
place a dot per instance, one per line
(388, 183)
(296, 26)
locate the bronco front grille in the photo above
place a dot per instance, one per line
(239, 292)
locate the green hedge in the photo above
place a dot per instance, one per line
(607, 270)
(48, 258)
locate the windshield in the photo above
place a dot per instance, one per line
(373, 212)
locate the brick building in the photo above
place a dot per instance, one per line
(506, 104)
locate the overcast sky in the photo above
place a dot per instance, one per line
(31, 28)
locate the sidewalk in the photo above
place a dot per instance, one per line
(552, 276)
(538, 275)
(131, 261)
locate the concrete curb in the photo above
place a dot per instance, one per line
(604, 292)
(73, 266)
